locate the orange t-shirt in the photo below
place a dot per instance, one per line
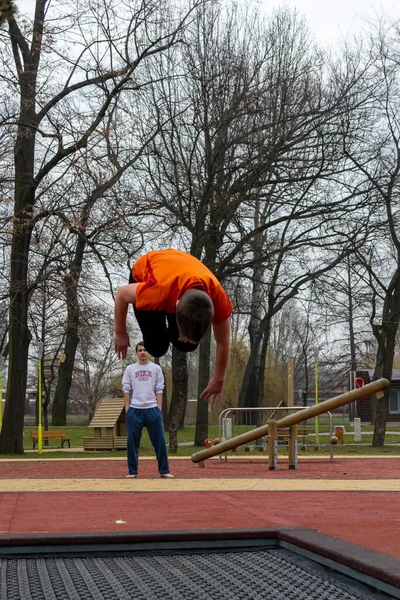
(164, 275)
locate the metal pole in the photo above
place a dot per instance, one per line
(316, 350)
(375, 387)
(292, 447)
(290, 356)
(272, 444)
(40, 347)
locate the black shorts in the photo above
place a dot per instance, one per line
(159, 330)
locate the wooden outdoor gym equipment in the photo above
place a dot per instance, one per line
(291, 421)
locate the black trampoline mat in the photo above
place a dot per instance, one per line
(243, 574)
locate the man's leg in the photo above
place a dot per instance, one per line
(153, 326)
(173, 333)
(134, 426)
(155, 427)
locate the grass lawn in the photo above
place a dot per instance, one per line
(77, 433)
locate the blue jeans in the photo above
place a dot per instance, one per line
(151, 418)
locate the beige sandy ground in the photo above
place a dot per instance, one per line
(198, 485)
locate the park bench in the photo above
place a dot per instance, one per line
(51, 434)
(284, 433)
(283, 438)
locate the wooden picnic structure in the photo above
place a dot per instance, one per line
(109, 426)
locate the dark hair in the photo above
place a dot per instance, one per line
(140, 344)
(194, 314)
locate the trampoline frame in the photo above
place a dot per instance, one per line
(371, 568)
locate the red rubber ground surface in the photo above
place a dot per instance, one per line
(340, 468)
(370, 519)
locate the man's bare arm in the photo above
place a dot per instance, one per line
(126, 295)
(222, 334)
(127, 401)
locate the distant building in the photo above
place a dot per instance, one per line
(191, 412)
(363, 408)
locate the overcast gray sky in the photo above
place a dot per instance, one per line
(335, 19)
(329, 20)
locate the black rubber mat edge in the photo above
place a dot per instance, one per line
(138, 537)
(358, 559)
(375, 565)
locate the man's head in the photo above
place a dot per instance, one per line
(194, 314)
(142, 354)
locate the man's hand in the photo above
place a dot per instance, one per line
(213, 390)
(121, 344)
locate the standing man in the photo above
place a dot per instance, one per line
(143, 384)
(176, 299)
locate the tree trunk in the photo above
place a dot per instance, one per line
(179, 387)
(383, 368)
(47, 385)
(381, 411)
(71, 281)
(45, 403)
(179, 397)
(46, 415)
(59, 413)
(201, 432)
(11, 436)
(249, 390)
(260, 400)
(385, 334)
(353, 357)
(164, 408)
(92, 409)
(252, 390)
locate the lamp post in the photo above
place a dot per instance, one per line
(2, 361)
(40, 348)
(316, 353)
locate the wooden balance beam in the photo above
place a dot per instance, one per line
(376, 387)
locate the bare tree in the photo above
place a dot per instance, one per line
(224, 139)
(97, 366)
(371, 142)
(55, 79)
(249, 165)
